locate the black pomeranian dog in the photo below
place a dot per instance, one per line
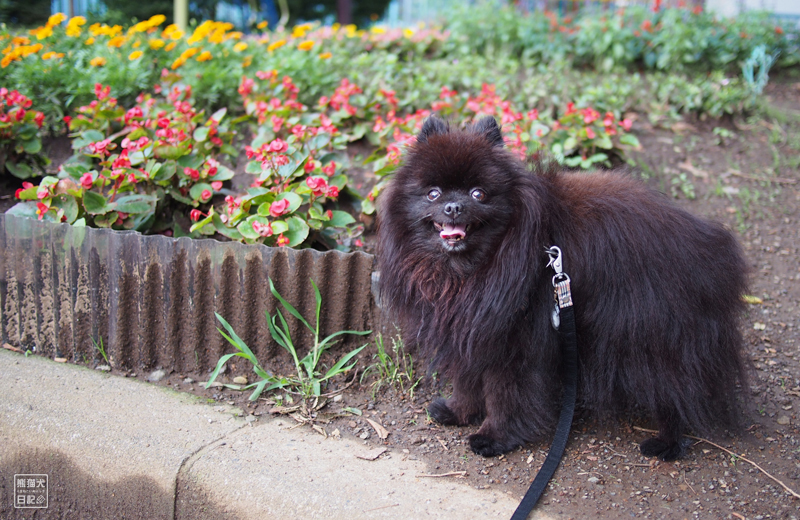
(462, 233)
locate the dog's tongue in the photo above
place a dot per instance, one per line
(452, 232)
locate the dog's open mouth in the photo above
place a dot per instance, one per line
(452, 234)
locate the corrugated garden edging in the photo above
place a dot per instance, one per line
(151, 299)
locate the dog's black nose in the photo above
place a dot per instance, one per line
(452, 209)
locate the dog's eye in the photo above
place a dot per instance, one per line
(478, 194)
(434, 194)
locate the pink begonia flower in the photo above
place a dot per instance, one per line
(279, 207)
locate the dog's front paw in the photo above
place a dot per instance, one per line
(486, 446)
(662, 449)
(441, 413)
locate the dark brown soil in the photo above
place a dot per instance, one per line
(744, 172)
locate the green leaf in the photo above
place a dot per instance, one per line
(191, 161)
(196, 191)
(201, 223)
(107, 220)
(279, 226)
(32, 146)
(288, 306)
(297, 232)
(68, 204)
(367, 207)
(223, 174)
(340, 367)
(200, 134)
(138, 203)
(165, 172)
(19, 170)
(219, 114)
(246, 227)
(95, 204)
(254, 167)
(75, 170)
(222, 229)
(23, 209)
(295, 200)
(170, 152)
(86, 138)
(630, 140)
(341, 218)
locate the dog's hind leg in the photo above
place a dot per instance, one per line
(669, 444)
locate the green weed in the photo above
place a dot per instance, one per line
(308, 381)
(100, 348)
(395, 368)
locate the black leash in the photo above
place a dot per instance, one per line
(564, 321)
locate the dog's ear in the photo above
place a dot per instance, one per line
(487, 126)
(432, 126)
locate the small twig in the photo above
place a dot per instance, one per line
(12, 348)
(737, 515)
(451, 474)
(729, 452)
(382, 507)
(443, 444)
(777, 180)
(684, 481)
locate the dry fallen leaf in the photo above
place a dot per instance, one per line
(689, 167)
(371, 454)
(752, 299)
(380, 430)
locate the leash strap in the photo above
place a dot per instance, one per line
(564, 321)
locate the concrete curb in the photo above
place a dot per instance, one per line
(116, 447)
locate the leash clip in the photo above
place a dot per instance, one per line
(561, 293)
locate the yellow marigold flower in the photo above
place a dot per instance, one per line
(188, 53)
(20, 40)
(298, 32)
(170, 46)
(74, 26)
(172, 32)
(202, 30)
(408, 33)
(6, 61)
(218, 36)
(178, 62)
(306, 45)
(98, 61)
(156, 44)
(116, 41)
(262, 25)
(89, 41)
(204, 56)
(350, 29)
(235, 35)
(247, 61)
(377, 30)
(157, 19)
(50, 55)
(42, 32)
(239, 47)
(56, 19)
(325, 55)
(276, 45)
(135, 55)
(137, 44)
(335, 27)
